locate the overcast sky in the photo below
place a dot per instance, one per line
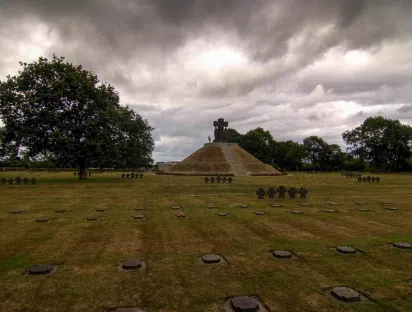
(294, 67)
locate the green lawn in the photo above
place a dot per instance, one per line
(88, 253)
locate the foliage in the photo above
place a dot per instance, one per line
(62, 111)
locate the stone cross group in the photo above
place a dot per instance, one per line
(281, 191)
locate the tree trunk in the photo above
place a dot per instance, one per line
(82, 173)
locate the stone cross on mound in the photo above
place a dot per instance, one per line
(220, 130)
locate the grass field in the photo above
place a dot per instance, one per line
(88, 253)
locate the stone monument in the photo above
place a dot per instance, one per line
(220, 130)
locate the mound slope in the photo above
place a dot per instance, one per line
(222, 159)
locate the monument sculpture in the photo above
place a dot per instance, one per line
(220, 130)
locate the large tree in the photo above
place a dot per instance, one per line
(382, 141)
(260, 144)
(58, 109)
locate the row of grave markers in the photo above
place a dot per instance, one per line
(88, 173)
(368, 179)
(218, 179)
(18, 181)
(282, 191)
(132, 175)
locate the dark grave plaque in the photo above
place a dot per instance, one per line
(281, 191)
(138, 217)
(92, 219)
(245, 304)
(181, 215)
(402, 245)
(282, 254)
(271, 192)
(386, 202)
(60, 210)
(41, 269)
(42, 220)
(260, 213)
(260, 192)
(212, 258)
(175, 207)
(330, 211)
(206, 180)
(297, 212)
(101, 209)
(222, 214)
(346, 294)
(359, 203)
(132, 264)
(346, 250)
(17, 211)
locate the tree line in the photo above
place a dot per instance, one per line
(377, 144)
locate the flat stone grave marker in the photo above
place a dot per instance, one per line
(277, 205)
(345, 294)
(181, 215)
(222, 214)
(332, 203)
(363, 209)
(306, 205)
(386, 202)
(244, 304)
(260, 213)
(92, 218)
(297, 212)
(42, 269)
(402, 245)
(282, 254)
(40, 220)
(211, 206)
(330, 210)
(193, 195)
(101, 209)
(175, 207)
(211, 259)
(346, 250)
(132, 264)
(327, 193)
(139, 208)
(16, 211)
(359, 203)
(138, 217)
(243, 206)
(391, 208)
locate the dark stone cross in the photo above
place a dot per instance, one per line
(368, 178)
(220, 130)
(33, 181)
(303, 192)
(260, 193)
(224, 179)
(218, 178)
(229, 180)
(373, 179)
(378, 179)
(281, 191)
(271, 193)
(128, 176)
(212, 180)
(292, 192)
(3, 180)
(206, 180)
(359, 179)
(123, 175)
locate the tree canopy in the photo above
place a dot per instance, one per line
(59, 110)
